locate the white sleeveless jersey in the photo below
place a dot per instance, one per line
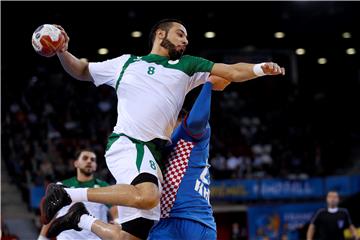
(150, 90)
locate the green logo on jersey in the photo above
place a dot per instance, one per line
(151, 70)
(152, 164)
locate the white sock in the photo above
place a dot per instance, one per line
(86, 222)
(77, 194)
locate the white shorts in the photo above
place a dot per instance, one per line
(124, 161)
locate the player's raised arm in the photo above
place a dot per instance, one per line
(75, 67)
(199, 115)
(241, 72)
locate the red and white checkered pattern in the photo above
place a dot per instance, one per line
(175, 170)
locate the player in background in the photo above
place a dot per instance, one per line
(331, 222)
(194, 220)
(151, 90)
(85, 164)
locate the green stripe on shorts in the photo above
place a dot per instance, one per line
(138, 144)
(139, 149)
(139, 154)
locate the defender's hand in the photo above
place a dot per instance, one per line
(219, 83)
(64, 48)
(271, 68)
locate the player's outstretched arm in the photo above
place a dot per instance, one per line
(75, 67)
(241, 72)
(200, 112)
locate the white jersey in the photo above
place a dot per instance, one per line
(98, 210)
(150, 90)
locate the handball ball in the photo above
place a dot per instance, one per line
(47, 39)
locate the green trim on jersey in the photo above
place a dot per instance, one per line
(127, 63)
(187, 64)
(74, 183)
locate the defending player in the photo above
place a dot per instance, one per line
(85, 165)
(151, 91)
(186, 212)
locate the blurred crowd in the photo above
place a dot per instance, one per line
(52, 117)
(248, 144)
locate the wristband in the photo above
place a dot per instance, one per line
(258, 70)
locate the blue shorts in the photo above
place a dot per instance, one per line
(180, 229)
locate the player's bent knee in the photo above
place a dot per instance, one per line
(147, 184)
(150, 201)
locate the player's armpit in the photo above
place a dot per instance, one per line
(86, 74)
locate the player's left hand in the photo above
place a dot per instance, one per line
(271, 68)
(65, 46)
(219, 83)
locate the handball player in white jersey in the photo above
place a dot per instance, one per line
(151, 90)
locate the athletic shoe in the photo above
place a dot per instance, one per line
(69, 221)
(56, 197)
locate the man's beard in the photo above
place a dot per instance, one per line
(86, 172)
(173, 53)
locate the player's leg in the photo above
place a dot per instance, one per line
(143, 196)
(110, 231)
(138, 184)
(78, 218)
(142, 173)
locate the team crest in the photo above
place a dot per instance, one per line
(340, 223)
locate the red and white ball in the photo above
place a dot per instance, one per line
(47, 40)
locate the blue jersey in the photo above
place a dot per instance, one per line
(186, 190)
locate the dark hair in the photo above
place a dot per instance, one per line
(79, 152)
(164, 24)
